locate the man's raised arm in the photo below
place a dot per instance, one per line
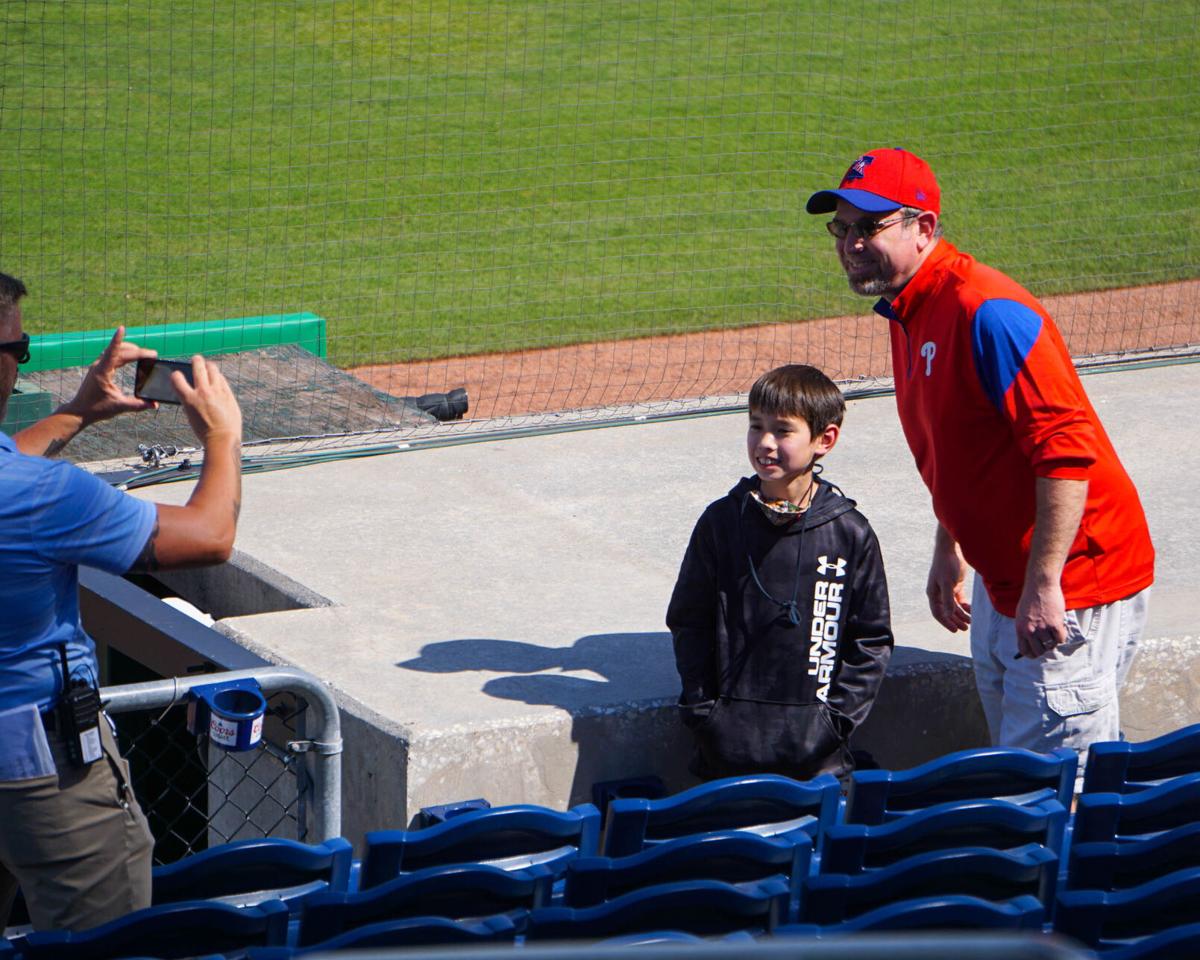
(98, 398)
(201, 532)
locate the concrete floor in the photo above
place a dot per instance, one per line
(496, 616)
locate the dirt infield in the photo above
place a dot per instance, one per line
(723, 362)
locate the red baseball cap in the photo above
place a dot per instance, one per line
(882, 181)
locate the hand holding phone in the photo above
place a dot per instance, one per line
(212, 409)
(152, 381)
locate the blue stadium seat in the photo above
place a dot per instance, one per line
(997, 824)
(1108, 817)
(1008, 773)
(765, 804)
(995, 875)
(410, 932)
(441, 812)
(1170, 944)
(605, 792)
(701, 907)
(674, 936)
(1118, 865)
(731, 856)
(1121, 767)
(1105, 919)
(250, 871)
(183, 929)
(652, 936)
(457, 892)
(934, 913)
(510, 837)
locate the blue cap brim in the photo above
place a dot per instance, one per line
(825, 201)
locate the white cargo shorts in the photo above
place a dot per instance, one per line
(1067, 698)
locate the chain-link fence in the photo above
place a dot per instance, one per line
(196, 794)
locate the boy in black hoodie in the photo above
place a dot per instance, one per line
(780, 614)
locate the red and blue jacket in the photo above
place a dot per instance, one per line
(989, 400)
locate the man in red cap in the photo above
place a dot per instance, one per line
(1026, 485)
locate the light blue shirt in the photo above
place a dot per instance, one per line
(53, 518)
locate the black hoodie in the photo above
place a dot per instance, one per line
(762, 693)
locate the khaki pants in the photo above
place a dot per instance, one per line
(75, 842)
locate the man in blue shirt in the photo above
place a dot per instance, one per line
(72, 836)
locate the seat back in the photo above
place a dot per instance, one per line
(441, 812)
(1170, 944)
(456, 892)
(673, 936)
(1118, 865)
(701, 907)
(1103, 919)
(996, 824)
(1105, 817)
(977, 872)
(510, 837)
(183, 929)
(1122, 767)
(936, 913)
(731, 856)
(765, 804)
(266, 868)
(1008, 773)
(425, 931)
(652, 936)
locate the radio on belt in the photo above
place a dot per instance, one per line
(229, 712)
(79, 716)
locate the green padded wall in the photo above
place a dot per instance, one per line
(53, 351)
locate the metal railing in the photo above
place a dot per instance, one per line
(196, 794)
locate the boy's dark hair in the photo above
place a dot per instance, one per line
(11, 290)
(798, 390)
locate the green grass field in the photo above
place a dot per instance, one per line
(444, 178)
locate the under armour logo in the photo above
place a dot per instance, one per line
(928, 349)
(824, 566)
(858, 169)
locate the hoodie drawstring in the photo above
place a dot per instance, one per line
(790, 607)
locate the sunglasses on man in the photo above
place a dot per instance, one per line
(18, 348)
(863, 228)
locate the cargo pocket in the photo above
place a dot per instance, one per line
(1080, 688)
(1074, 699)
(1080, 713)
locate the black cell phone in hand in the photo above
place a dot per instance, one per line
(152, 380)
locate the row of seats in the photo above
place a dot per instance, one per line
(983, 836)
(674, 911)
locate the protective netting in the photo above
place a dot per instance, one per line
(567, 206)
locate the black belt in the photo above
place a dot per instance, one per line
(50, 720)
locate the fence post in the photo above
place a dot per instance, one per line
(326, 745)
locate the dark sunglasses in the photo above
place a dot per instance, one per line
(18, 348)
(865, 228)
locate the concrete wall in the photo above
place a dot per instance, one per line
(927, 707)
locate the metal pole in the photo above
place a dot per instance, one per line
(327, 746)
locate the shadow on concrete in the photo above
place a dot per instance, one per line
(623, 719)
(620, 658)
